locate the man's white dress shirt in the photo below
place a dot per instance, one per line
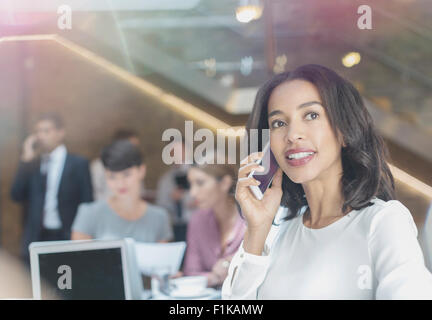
(53, 164)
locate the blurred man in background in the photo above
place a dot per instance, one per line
(50, 182)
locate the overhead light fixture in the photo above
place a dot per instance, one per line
(280, 64)
(351, 59)
(210, 67)
(249, 10)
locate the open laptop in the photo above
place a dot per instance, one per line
(84, 270)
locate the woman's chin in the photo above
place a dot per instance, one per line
(122, 194)
(300, 178)
(201, 206)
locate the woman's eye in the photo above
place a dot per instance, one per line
(277, 124)
(312, 116)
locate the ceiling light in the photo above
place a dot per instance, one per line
(280, 64)
(249, 10)
(351, 59)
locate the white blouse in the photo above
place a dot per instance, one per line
(371, 253)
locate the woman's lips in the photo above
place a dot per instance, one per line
(301, 161)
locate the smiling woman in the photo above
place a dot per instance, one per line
(342, 235)
(315, 100)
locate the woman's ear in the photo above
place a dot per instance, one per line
(343, 144)
(143, 171)
(341, 139)
(226, 183)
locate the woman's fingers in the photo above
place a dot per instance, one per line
(247, 169)
(245, 182)
(242, 189)
(251, 158)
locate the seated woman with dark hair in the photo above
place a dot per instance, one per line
(124, 213)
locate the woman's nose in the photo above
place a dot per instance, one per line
(193, 192)
(294, 133)
(121, 183)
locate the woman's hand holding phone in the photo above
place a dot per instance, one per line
(259, 214)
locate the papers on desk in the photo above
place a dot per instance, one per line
(154, 256)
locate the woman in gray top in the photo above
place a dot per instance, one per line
(124, 213)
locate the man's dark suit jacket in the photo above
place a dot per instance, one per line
(29, 188)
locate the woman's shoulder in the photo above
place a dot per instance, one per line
(386, 214)
(157, 212)
(91, 213)
(95, 206)
(380, 207)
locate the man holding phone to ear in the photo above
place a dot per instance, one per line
(50, 182)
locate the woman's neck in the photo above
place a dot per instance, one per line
(128, 207)
(324, 197)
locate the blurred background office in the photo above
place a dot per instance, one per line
(147, 66)
(173, 191)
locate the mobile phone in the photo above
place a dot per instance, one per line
(270, 165)
(36, 145)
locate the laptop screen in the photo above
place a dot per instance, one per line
(87, 274)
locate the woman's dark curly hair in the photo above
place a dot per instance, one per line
(365, 170)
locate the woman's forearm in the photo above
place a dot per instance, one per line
(254, 240)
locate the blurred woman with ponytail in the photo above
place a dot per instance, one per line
(216, 228)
